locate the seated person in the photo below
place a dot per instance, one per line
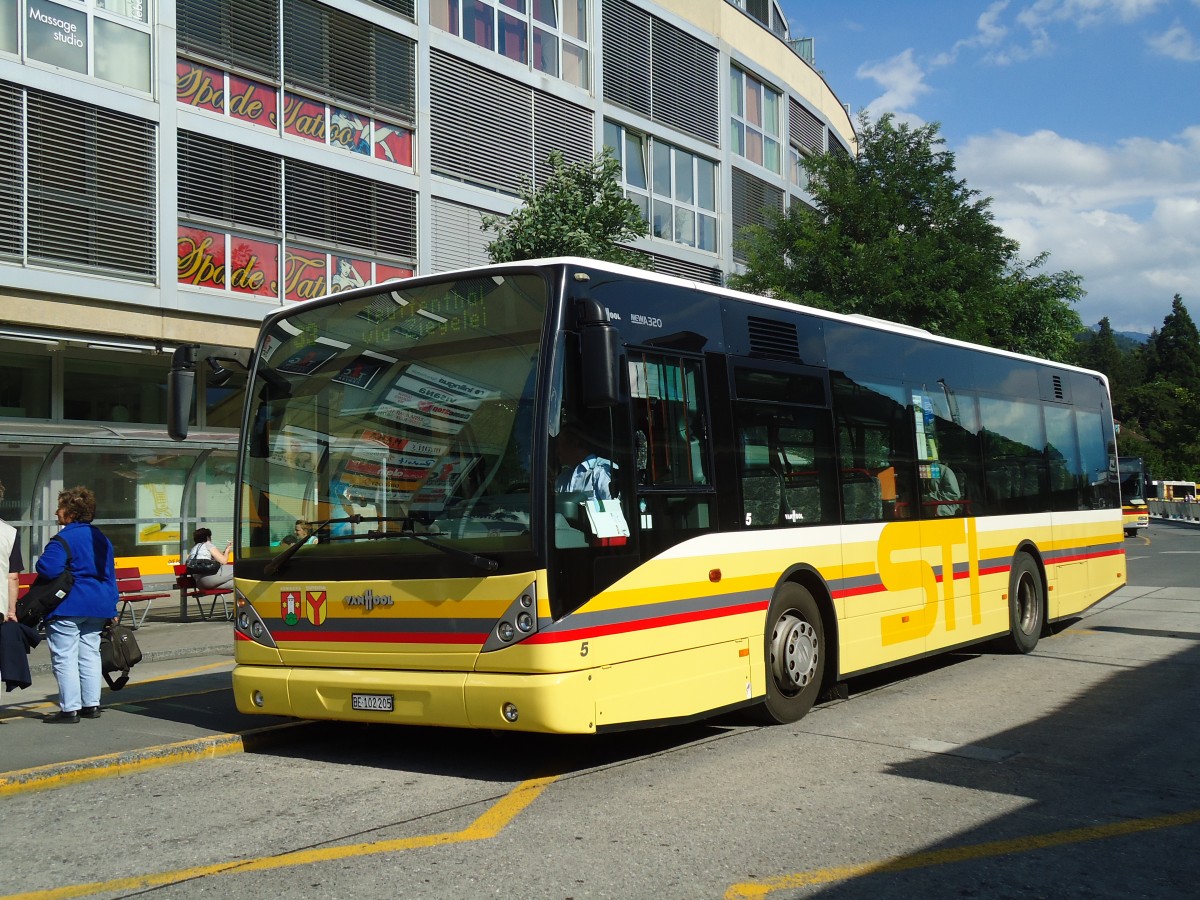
(944, 487)
(582, 469)
(301, 530)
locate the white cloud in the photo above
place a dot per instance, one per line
(1176, 43)
(989, 32)
(902, 80)
(1125, 217)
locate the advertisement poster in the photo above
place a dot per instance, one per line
(159, 498)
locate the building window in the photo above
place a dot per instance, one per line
(547, 35)
(117, 34)
(676, 189)
(754, 125)
(238, 239)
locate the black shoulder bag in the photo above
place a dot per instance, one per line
(119, 652)
(45, 594)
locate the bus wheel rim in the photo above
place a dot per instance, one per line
(793, 653)
(1027, 611)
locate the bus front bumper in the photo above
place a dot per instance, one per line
(558, 704)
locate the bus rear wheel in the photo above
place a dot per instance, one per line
(1026, 604)
(794, 656)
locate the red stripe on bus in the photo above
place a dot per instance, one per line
(361, 637)
(575, 634)
(858, 591)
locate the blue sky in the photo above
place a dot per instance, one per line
(1080, 118)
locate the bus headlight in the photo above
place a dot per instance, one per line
(510, 712)
(518, 622)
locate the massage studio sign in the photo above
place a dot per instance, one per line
(57, 35)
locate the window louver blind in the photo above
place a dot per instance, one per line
(343, 210)
(667, 265)
(661, 72)
(805, 129)
(243, 33)
(12, 187)
(685, 77)
(480, 124)
(751, 198)
(91, 182)
(403, 7)
(559, 125)
(346, 58)
(627, 56)
(228, 184)
(459, 240)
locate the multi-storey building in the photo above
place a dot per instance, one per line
(172, 170)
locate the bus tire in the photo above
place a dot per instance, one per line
(794, 654)
(1026, 604)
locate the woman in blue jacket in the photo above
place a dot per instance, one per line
(74, 627)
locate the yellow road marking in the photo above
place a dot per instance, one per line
(488, 825)
(753, 889)
(93, 768)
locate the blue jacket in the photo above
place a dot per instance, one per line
(95, 592)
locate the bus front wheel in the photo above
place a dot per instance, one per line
(1026, 604)
(794, 655)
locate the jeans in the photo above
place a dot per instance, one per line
(75, 658)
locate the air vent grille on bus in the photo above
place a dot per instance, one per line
(768, 337)
(1059, 394)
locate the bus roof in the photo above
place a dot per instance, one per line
(716, 290)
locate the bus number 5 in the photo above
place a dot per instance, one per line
(583, 649)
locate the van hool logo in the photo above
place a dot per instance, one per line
(368, 600)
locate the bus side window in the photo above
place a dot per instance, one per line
(670, 429)
(875, 450)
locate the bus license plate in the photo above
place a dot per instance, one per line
(372, 702)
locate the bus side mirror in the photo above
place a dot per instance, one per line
(600, 346)
(181, 391)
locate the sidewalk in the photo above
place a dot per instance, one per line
(164, 635)
(177, 706)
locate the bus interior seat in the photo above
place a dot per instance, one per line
(762, 497)
(862, 496)
(802, 494)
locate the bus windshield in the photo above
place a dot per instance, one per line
(410, 406)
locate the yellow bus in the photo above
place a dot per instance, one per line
(566, 496)
(1135, 513)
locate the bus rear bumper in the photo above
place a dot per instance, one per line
(560, 703)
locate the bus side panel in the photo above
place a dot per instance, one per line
(882, 595)
(674, 685)
(1106, 562)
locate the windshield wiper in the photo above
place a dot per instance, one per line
(276, 564)
(472, 559)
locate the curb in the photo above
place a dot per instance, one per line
(75, 771)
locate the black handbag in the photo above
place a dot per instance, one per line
(199, 566)
(119, 652)
(45, 594)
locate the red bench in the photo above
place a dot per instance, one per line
(190, 590)
(130, 590)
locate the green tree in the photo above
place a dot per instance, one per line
(581, 210)
(1176, 353)
(893, 233)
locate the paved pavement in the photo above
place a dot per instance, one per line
(177, 705)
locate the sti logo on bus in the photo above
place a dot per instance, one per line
(902, 568)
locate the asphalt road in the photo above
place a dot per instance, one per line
(1071, 772)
